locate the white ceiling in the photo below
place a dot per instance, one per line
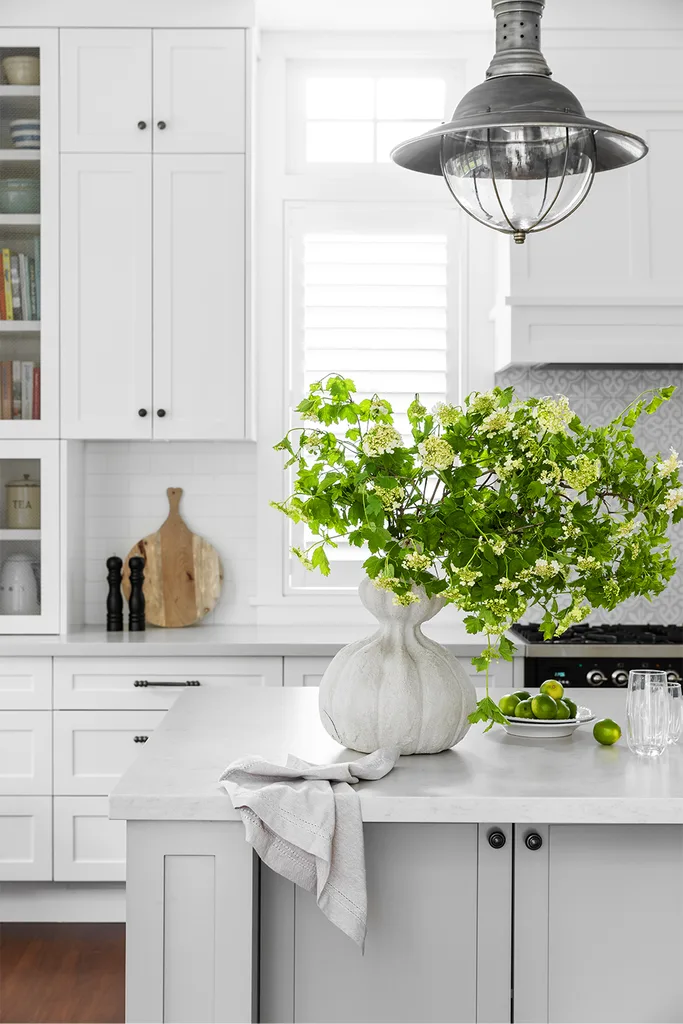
(459, 15)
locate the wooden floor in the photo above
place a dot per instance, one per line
(62, 973)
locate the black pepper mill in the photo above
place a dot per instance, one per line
(136, 601)
(114, 597)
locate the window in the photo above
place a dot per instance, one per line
(373, 296)
(345, 113)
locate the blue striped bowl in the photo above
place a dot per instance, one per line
(25, 133)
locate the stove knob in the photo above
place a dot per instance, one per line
(620, 677)
(596, 678)
(673, 677)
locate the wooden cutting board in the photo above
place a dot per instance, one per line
(183, 573)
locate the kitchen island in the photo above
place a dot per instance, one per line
(507, 880)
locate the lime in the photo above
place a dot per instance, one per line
(552, 687)
(508, 703)
(544, 706)
(606, 732)
(562, 710)
(571, 705)
(522, 694)
(524, 709)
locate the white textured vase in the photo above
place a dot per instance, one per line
(396, 687)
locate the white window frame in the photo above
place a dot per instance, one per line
(277, 190)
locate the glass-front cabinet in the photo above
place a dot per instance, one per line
(29, 537)
(29, 196)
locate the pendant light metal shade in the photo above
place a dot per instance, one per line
(520, 153)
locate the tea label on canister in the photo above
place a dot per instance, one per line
(23, 504)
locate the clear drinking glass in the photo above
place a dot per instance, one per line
(647, 713)
(675, 712)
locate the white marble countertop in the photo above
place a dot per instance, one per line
(488, 777)
(221, 641)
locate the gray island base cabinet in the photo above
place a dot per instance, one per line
(575, 917)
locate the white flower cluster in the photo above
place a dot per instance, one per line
(587, 563)
(391, 497)
(672, 499)
(447, 415)
(417, 562)
(583, 472)
(554, 415)
(496, 421)
(381, 440)
(484, 403)
(436, 453)
(505, 469)
(506, 584)
(546, 569)
(669, 466)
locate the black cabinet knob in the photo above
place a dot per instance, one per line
(142, 412)
(533, 841)
(142, 125)
(497, 840)
(161, 413)
(161, 125)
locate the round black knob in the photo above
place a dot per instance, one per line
(161, 413)
(142, 125)
(161, 125)
(142, 412)
(533, 841)
(497, 840)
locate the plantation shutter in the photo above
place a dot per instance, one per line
(374, 298)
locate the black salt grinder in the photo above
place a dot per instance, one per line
(114, 597)
(136, 601)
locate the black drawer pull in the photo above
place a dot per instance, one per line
(533, 841)
(497, 840)
(140, 739)
(188, 682)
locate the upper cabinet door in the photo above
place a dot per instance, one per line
(199, 297)
(106, 296)
(199, 90)
(106, 90)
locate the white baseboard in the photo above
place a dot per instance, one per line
(62, 901)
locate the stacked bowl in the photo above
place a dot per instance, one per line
(25, 133)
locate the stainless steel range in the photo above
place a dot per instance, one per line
(599, 655)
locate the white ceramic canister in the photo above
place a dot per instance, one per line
(23, 504)
(18, 586)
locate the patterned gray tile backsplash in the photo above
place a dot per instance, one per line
(597, 395)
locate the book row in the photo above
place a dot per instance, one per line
(19, 390)
(20, 294)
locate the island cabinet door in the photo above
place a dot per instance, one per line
(439, 934)
(597, 935)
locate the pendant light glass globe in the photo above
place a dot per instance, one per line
(519, 179)
(519, 153)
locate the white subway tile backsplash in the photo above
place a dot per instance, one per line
(125, 499)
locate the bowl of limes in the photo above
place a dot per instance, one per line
(545, 714)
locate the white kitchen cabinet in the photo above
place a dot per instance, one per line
(26, 753)
(92, 749)
(168, 90)
(25, 838)
(304, 671)
(29, 323)
(88, 846)
(106, 296)
(500, 674)
(597, 924)
(106, 90)
(29, 537)
(98, 683)
(199, 90)
(199, 297)
(25, 684)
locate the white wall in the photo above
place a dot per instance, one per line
(125, 499)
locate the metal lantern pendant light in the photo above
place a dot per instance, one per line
(520, 154)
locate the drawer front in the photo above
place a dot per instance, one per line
(92, 683)
(25, 684)
(305, 671)
(88, 846)
(500, 674)
(94, 748)
(26, 753)
(25, 838)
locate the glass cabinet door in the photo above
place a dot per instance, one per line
(28, 233)
(29, 537)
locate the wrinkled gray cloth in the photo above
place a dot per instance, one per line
(304, 821)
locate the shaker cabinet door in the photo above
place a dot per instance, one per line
(199, 90)
(106, 296)
(199, 297)
(106, 90)
(597, 924)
